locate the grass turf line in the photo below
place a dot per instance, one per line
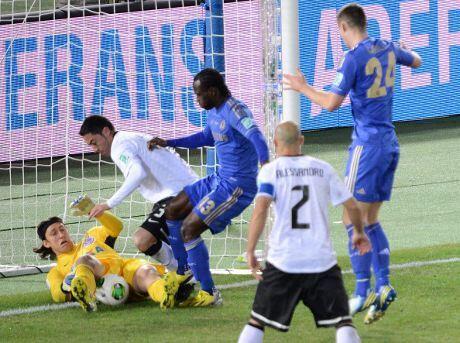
(426, 311)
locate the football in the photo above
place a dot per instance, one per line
(112, 290)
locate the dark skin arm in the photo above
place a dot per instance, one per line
(156, 141)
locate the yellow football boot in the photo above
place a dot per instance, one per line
(81, 293)
(204, 299)
(171, 286)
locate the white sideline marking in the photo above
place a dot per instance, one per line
(349, 271)
(238, 284)
(423, 263)
(54, 307)
(49, 307)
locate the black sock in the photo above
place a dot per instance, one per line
(154, 248)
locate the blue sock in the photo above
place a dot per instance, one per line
(361, 265)
(198, 260)
(177, 245)
(380, 255)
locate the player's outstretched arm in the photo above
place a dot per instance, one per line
(98, 209)
(256, 226)
(132, 181)
(242, 121)
(327, 100)
(155, 142)
(359, 239)
(203, 138)
(260, 144)
(83, 205)
(111, 223)
(417, 60)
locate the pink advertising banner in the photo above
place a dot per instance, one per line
(134, 68)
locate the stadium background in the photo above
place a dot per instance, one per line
(138, 70)
(421, 220)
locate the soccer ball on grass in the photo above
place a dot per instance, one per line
(112, 290)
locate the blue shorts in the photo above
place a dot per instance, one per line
(370, 171)
(216, 201)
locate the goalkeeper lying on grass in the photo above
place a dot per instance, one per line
(80, 264)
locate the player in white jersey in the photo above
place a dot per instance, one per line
(158, 175)
(301, 263)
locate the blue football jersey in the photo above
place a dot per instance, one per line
(230, 124)
(367, 72)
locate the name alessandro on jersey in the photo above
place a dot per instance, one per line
(286, 172)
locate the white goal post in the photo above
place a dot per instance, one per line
(290, 57)
(134, 63)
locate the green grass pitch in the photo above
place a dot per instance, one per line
(426, 311)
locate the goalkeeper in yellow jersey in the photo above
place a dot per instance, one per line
(80, 264)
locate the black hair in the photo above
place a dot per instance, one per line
(43, 251)
(210, 77)
(94, 125)
(353, 14)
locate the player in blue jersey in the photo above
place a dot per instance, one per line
(213, 201)
(367, 74)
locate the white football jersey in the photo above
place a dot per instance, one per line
(302, 188)
(167, 172)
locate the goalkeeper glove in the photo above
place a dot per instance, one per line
(65, 286)
(81, 206)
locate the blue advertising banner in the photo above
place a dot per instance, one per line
(429, 27)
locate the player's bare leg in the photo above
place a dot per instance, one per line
(152, 246)
(143, 239)
(161, 289)
(192, 227)
(179, 207)
(144, 277)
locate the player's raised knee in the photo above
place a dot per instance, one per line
(145, 274)
(92, 262)
(143, 240)
(87, 260)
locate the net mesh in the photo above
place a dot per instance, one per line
(133, 63)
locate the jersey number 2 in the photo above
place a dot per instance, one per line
(374, 66)
(296, 207)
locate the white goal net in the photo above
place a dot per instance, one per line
(134, 63)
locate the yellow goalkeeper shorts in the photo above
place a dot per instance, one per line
(131, 265)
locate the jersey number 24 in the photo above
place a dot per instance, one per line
(374, 66)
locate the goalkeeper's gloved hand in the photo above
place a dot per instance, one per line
(81, 206)
(65, 286)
